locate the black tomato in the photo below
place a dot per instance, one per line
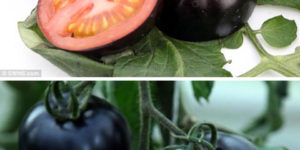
(227, 141)
(101, 127)
(202, 20)
(96, 26)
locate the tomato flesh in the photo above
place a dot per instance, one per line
(78, 25)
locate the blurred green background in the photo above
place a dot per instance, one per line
(236, 104)
(233, 104)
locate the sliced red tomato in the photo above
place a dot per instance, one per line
(83, 25)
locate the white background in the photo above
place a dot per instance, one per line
(15, 55)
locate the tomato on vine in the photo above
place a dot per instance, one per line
(100, 127)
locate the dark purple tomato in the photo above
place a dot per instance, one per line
(202, 20)
(101, 127)
(227, 141)
(104, 26)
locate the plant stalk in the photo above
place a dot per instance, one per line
(148, 110)
(267, 60)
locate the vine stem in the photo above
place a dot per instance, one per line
(145, 119)
(83, 84)
(260, 68)
(148, 110)
(268, 62)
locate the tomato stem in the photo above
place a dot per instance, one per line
(268, 61)
(260, 68)
(76, 103)
(149, 110)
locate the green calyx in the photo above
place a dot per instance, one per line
(66, 101)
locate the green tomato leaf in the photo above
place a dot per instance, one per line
(279, 32)
(234, 41)
(202, 89)
(126, 97)
(74, 64)
(160, 56)
(101, 90)
(272, 119)
(289, 3)
(29, 36)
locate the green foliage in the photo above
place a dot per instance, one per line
(272, 119)
(125, 97)
(202, 89)
(234, 41)
(287, 65)
(160, 56)
(279, 32)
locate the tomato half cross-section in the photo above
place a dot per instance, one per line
(100, 127)
(105, 26)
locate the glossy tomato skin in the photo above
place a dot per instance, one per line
(101, 127)
(228, 141)
(202, 20)
(118, 45)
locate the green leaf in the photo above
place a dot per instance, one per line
(298, 48)
(160, 56)
(288, 65)
(234, 41)
(74, 64)
(29, 36)
(202, 89)
(101, 90)
(272, 119)
(125, 96)
(289, 3)
(279, 32)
